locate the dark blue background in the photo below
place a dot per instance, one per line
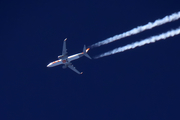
(138, 84)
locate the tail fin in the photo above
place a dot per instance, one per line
(85, 52)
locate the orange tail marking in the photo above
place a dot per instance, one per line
(87, 49)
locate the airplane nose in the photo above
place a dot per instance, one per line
(48, 65)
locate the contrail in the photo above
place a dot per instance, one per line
(150, 25)
(149, 40)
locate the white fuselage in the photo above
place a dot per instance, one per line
(64, 61)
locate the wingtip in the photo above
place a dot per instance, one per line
(65, 39)
(81, 72)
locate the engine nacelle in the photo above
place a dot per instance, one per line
(60, 56)
(63, 56)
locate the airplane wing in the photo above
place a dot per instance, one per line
(64, 50)
(74, 69)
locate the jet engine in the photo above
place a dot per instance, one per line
(60, 56)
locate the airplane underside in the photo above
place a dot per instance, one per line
(66, 60)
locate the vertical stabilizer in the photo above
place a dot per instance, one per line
(85, 52)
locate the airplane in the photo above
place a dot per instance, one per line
(66, 60)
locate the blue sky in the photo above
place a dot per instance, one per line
(141, 84)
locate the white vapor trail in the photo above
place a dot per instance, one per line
(150, 25)
(149, 40)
